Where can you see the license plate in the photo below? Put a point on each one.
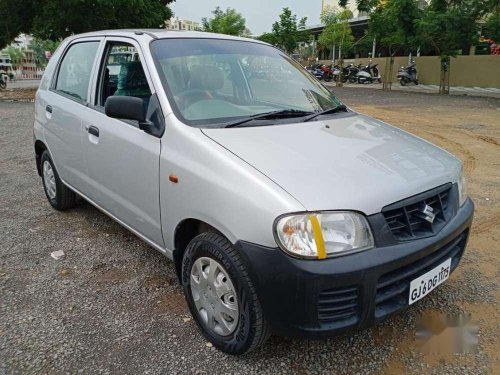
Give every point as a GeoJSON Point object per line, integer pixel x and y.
{"type": "Point", "coordinates": [423, 285]}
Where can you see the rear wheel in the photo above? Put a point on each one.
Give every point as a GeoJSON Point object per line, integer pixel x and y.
{"type": "Point", "coordinates": [221, 296]}
{"type": "Point", "coordinates": [59, 196]}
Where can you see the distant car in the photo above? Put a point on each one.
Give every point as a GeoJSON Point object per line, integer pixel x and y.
{"type": "Point", "coordinates": [283, 210]}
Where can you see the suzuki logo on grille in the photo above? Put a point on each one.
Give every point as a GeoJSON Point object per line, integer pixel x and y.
{"type": "Point", "coordinates": [429, 214]}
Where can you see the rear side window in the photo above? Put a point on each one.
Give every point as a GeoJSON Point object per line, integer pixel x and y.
{"type": "Point", "coordinates": [73, 78]}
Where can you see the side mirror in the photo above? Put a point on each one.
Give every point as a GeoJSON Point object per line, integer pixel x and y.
{"type": "Point", "coordinates": [125, 108]}
{"type": "Point", "coordinates": [128, 108]}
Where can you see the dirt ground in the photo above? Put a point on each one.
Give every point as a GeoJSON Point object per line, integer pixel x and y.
{"type": "Point", "coordinates": [113, 305]}
{"type": "Point", "coordinates": [470, 129]}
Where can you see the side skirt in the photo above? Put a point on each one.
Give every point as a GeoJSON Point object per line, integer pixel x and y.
{"type": "Point", "coordinates": [167, 252]}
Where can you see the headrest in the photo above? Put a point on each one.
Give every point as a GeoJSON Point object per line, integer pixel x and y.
{"type": "Point", "coordinates": [206, 77]}
{"type": "Point", "coordinates": [131, 76]}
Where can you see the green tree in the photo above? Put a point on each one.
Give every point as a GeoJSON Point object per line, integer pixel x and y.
{"type": "Point", "coordinates": [16, 54]}
{"type": "Point", "coordinates": [445, 29]}
{"type": "Point", "coordinates": [228, 22]}
{"type": "Point", "coordinates": [17, 17]}
{"type": "Point", "coordinates": [361, 5]}
{"type": "Point", "coordinates": [337, 30]}
{"type": "Point", "coordinates": [56, 19]}
{"type": "Point", "coordinates": [491, 27]}
{"type": "Point", "coordinates": [289, 31]}
{"type": "Point", "coordinates": [393, 25]}
{"type": "Point", "coordinates": [40, 46]}
{"type": "Point", "coordinates": [268, 38]}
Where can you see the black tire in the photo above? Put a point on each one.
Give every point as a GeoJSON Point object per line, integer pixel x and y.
{"type": "Point", "coordinates": [252, 329]}
{"type": "Point", "coordinates": [352, 79]}
{"type": "Point", "coordinates": [3, 85]}
{"type": "Point", "coordinates": [64, 198]}
{"type": "Point", "coordinates": [402, 82]}
{"type": "Point", "coordinates": [327, 78]}
{"type": "Point", "coordinates": [416, 82]}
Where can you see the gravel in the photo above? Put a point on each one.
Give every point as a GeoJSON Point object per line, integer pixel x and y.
{"type": "Point", "coordinates": [112, 304]}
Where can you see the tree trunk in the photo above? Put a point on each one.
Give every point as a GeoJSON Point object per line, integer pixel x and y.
{"type": "Point", "coordinates": [339, 77]}
{"type": "Point", "coordinates": [444, 79]}
{"type": "Point", "coordinates": [387, 83]}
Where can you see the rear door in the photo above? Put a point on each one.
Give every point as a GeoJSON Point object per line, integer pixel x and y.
{"type": "Point", "coordinates": [65, 105]}
{"type": "Point", "coordinates": [122, 160]}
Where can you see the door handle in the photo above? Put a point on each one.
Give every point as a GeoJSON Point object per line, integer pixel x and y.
{"type": "Point", "coordinates": [48, 108]}
{"type": "Point", "coordinates": [94, 131]}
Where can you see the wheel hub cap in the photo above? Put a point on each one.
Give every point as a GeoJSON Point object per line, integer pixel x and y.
{"type": "Point", "coordinates": [214, 296]}
{"type": "Point", "coordinates": [49, 180]}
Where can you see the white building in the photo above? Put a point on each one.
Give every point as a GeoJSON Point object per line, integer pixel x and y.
{"type": "Point", "coordinates": [180, 24]}
{"type": "Point", "coordinates": [351, 5]}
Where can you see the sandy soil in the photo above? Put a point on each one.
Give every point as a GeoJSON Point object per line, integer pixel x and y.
{"type": "Point", "coordinates": [470, 129]}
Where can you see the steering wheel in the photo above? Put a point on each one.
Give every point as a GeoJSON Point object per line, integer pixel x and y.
{"type": "Point", "coordinates": [191, 96]}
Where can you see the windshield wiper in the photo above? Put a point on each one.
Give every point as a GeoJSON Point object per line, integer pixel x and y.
{"type": "Point", "coordinates": [339, 108]}
{"type": "Point", "coordinates": [282, 113]}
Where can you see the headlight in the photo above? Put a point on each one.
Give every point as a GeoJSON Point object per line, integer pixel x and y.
{"type": "Point", "coordinates": [462, 188]}
{"type": "Point", "coordinates": [323, 234]}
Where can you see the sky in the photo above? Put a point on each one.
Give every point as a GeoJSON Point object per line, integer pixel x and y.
{"type": "Point", "coordinates": [259, 14]}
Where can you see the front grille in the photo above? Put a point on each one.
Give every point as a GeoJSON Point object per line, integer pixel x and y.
{"type": "Point", "coordinates": [339, 306]}
{"type": "Point", "coordinates": [393, 287]}
{"type": "Point", "coordinates": [407, 221]}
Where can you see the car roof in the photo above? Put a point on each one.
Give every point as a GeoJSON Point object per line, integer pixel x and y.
{"type": "Point", "coordinates": [162, 34]}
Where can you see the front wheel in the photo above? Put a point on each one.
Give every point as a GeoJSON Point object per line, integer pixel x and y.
{"type": "Point", "coordinates": [3, 85]}
{"type": "Point", "coordinates": [403, 82]}
{"type": "Point", "coordinates": [221, 296]}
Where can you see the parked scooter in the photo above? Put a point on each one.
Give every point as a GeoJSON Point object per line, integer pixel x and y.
{"type": "Point", "coordinates": [327, 72]}
{"type": "Point", "coordinates": [369, 74]}
{"type": "Point", "coordinates": [3, 81]}
{"type": "Point", "coordinates": [408, 75]}
{"type": "Point", "coordinates": [315, 70]}
{"type": "Point", "coordinates": [349, 73]}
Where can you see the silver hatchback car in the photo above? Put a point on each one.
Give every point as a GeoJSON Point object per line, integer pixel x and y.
{"type": "Point", "coordinates": [283, 210]}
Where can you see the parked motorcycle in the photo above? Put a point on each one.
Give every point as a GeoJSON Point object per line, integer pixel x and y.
{"type": "Point", "coordinates": [3, 81]}
{"type": "Point", "coordinates": [369, 74]}
{"type": "Point", "coordinates": [408, 75]}
{"type": "Point", "coordinates": [349, 73]}
{"type": "Point", "coordinates": [315, 71]}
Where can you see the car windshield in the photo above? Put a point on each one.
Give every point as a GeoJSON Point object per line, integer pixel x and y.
{"type": "Point", "coordinates": [211, 82]}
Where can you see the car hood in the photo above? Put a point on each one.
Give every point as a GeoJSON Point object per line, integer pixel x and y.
{"type": "Point", "coordinates": [350, 162]}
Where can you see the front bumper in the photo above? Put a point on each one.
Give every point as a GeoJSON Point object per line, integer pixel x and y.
{"type": "Point", "coordinates": [310, 298]}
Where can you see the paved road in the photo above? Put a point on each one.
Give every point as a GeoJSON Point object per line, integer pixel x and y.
{"type": "Point", "coordinates": [23, 84]}
{"type": "Point", "coordinates": [112, 305]}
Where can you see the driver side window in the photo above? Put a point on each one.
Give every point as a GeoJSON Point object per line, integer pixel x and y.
{"type": "Point", "coordinates": [122, 74]}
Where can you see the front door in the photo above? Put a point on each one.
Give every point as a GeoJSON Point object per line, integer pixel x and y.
{"type": "Point", "coordinates": [122, 160]}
